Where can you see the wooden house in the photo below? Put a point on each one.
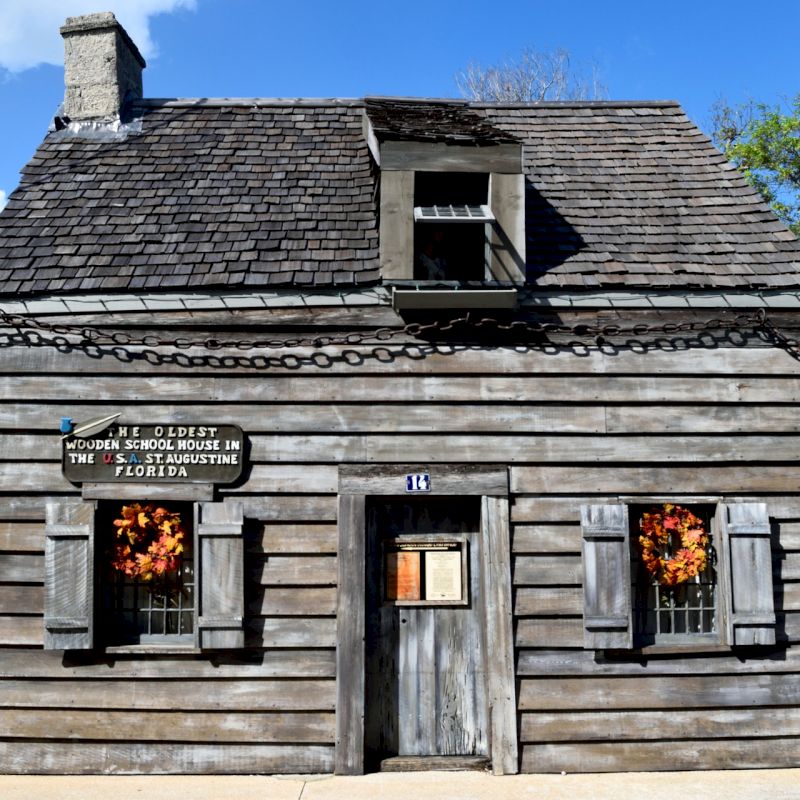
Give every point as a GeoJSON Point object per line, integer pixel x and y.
{"type": "Point", "coordinates": [342, 435]}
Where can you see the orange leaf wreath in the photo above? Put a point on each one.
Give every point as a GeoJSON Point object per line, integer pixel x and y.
{"type": "Point", "coordinates": [148, 541]}
{"type": "Point", "coordinates": [660, 531]}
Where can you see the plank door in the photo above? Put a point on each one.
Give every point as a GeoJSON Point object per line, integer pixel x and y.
{"type": "Point", "coordinates": [425, 682]}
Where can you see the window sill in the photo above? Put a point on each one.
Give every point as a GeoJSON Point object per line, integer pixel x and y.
{"type": "Point", "coordinates": [407, 299]}
{"type": "Point", "coordinates": [153, 649]}
{"type": "Point", "coordinates": [670, 649]}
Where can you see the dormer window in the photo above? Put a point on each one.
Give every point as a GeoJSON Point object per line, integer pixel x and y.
{"type": "Point", "coordinates": [452, 194]}
{"type": "Point", "coordinates": [452, 226]}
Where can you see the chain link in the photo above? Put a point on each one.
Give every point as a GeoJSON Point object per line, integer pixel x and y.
{"type": "Point", "coordinates": [98, 335]}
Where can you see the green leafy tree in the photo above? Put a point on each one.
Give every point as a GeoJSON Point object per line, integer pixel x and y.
{"type": "Point", "coordinates": [764, 143]}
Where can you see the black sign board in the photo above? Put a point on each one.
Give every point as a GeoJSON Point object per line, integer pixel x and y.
{"type": "Point", "coordinates": [156, 453]}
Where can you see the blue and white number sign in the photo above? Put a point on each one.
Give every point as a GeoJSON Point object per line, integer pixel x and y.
{"type": "Point", "coordinates": [419, 482]}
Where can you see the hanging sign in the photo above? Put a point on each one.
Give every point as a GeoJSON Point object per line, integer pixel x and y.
{"type": "Point", "coordinates": [155, 453]}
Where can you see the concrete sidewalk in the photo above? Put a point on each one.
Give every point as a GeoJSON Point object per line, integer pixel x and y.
{"type": "Point", "coordinates": [781, 784]}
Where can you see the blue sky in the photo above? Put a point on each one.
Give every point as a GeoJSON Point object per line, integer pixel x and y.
{"type": "Point", "coordinates": [695, 52]}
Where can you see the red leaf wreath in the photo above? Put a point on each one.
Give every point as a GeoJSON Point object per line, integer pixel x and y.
{"type": "Point", "coordinates": [660, 532]}
{"type": "Point", "coordinates": [148, 541]}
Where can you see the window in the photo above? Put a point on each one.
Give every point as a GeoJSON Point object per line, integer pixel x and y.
{"type": "Point", "coordinates": [452, 226]}
{"type": "Point", "coordinates": [144, 597]}
{"type": "Point", "coordinates": [677, 605]}
{"type": "Point", "coordinates": [200, 603]}
{"type": "Point", "coordinates": [626, 604]}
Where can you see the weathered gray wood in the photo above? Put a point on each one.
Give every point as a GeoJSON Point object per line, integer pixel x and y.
{"type": "Point", "coordinates": [417, 359]}
{"type": "Point", "coordinates": [607, 608]}
{"type": "Point", "coordinates": [498, 624]}
{"type": "Point", "coordinates": [516, 448]}
{"type": "Point", "coordinates": [292, 632]}
{"type": "Point", "coordinates": [22, 536]}
{"type": "Point", "coordinates": [297, 570]}
{"type": "Point", "coordinates": [549, 633]}
{"type": "Point", "coordinates": [620, 726]}
{"type": "Point", "coordinates": [584, 663]}
{"type": "Point", "coordinates": [123, 758]}
{"type": "Point", "coordinates": [545, 538]}
{"type": "Point", "coordinates": [548, 601]}
{"type": "Point", "coordinates": [240, 665]}
{"type": "Point", "coordinates": [69, 576]}
{"type": "Point", "coordinates": [219, 533]}
{"type": "Point", "coordinates": [441, 157]}
{"type": "Point", "coordinates": [397, 224]}
{"type": "Point", "coordinates": [283, 508]}
{"type": "Point", "coordinates": [268, 478]}
{"type": "Point", "coordinates": [435, 763]}
{"type": "Point", "coordinates": [48, 477]}
{"type": "Point", "coordinates": [310, 538]}
{"type": "Point", "coordinates": [211, 695]}
{"type": "Point", "coordinates": [402, 388]}
{"type": "Point", "coordinates": [661, 756]}
{"type": "Point", "coordinates": [192, 492]}
{"type": "Point", "coordinates": [469, 448]}
{"type": "Point", "coordinates": [427, 682]}
{"type": "Point", "coordinates": [155, 726]}
{"type": "Point", "coordinates": [566, 509]}
{"type": "Point", "coordinates": [349, 754]}
{"type": "Point", "coordinates": [547, 570]}
{"type": "Point", "coordinates": [295, 601]}
{"type": "Point", "coordinates": [663, 692]}
{"type": "Point", "coordinates": [23, 568]}
{"type": "Point", "coordinates": [325, 417]}
{"type": "Point", "coordinates": [745, 531]}
{"type": "Point", "coordinates": [21, 599]}
{"type": "Point", "coordinates": [653, 478]}
{"type": "Point", "coordinates": [22, 631]}
{"type": "Point", "coordinates": [446, 479]}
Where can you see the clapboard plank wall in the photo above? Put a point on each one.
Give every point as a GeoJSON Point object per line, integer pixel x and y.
{"type": "Point", "coordinates": [711, 420]}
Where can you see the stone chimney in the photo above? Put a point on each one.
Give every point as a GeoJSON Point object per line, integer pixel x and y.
{"type": "Point", "coordinates": [102, 67]}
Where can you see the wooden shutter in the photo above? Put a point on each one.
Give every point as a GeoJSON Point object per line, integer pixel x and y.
{"type": "Point", "coordinates": [69, 575]}
{"type": "Point", "coordinates": [219, 533]}
{"type": "Point", "coordinates": [607, 608]}
{"type": "Point", "coordinates": [746, 575]}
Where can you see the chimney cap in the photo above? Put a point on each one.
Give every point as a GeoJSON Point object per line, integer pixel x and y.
{"type": "Point", "coordinates": [101, 21]}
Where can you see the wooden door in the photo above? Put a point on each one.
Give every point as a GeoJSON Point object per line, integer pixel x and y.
{"type": "Point", "coordinates": [425, 677]}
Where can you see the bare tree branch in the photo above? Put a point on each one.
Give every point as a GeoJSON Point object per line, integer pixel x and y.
{"type": "Point", "coordinates": [535, 75]}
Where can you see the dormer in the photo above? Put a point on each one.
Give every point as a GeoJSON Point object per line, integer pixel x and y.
{"type": "Point", "coordinates": [452, 194]}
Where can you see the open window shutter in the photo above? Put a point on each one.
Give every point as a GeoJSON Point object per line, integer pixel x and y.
{"type": "Point", "coordinates": [219, 534]}
{"type": "Point", "coordinates": [69, 575]}
{"type": "Point", "coordinates": [606, 577]}
{"type": "Point", "coordinates": [747, 574]}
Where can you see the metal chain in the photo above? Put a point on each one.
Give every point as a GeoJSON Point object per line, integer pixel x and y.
{"type": "Point", "coordinates": [89, 335]}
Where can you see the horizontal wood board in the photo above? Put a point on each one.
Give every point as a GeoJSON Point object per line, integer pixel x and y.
{"type": "Point", "coordinates": [574, 426]}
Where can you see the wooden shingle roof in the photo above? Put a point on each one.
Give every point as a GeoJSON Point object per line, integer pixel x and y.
{"type": "Point", "coordinates": [280, 193]}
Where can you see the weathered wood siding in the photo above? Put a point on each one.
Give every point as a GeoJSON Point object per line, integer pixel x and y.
{"type": "Point", "coordinates": [573, 425]}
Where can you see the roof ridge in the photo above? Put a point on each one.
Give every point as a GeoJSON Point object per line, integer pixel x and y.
{"type": "Point", "coordinates": [358, 102]}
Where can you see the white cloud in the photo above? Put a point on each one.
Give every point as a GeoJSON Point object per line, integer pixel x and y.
{"type": "Point", "coordinates": [3, 199]}
{"type": "Point", "coordinates": [29, 30]}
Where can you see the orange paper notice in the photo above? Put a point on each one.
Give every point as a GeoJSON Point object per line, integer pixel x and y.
{"type": "Point", "coordinates": [403, 576]}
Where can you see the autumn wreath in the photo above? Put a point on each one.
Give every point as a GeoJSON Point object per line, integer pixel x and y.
{"type": "Point", "coordinates": [661, 530]}
{"type": "Point", "coordinates": [148, 541]}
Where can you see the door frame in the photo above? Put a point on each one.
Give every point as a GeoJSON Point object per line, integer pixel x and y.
{"type": "Point", "coordinates": [356, 483]}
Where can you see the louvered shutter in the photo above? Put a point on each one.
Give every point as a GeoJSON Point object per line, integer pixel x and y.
{"type": "Point", "coordinates": [607, 608]}
{"type": "Point", "coordinates": [746, 577]}
{"type": "Point", "coordinates": [69, 575]}
{"type": "Point", "coordinates": [219, 533]}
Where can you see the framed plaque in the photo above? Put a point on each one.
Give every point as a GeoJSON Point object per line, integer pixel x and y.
{"type": "Point", "coordinates": [425, 570]}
